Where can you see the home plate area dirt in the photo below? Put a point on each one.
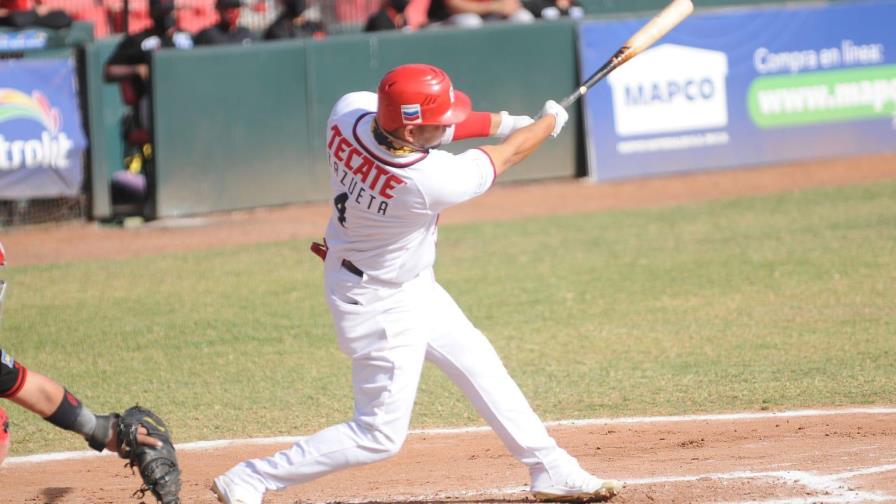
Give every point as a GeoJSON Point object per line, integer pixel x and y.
{"type": "Point", "coordinates": [831, 456]}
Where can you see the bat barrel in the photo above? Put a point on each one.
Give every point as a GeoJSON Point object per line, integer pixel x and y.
{"type": "Point", "coordinates": [655, 29]}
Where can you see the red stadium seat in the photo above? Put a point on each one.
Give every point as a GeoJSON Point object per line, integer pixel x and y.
{"type": "Point", "coordinates": [195, 15]}
{"type": "Point", "coordinates": [355, 11]}
{"type": "Point", "coordinates": [138, 20]}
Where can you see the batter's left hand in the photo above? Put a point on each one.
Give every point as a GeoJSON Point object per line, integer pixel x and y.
{"type": "Point", "coordinates": [559, 113]}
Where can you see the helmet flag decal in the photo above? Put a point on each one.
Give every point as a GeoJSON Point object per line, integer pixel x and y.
{"type": "Point", "coordinates": [410, 114]}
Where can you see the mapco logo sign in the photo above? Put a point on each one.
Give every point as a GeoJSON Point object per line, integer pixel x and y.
{"type": "Point", "coordinates": [45, 146]}
{"type": "Point", "coordinates": [670, 88]}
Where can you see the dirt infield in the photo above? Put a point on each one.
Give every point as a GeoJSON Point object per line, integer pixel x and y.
{"type": "Point", "coordinates": [846, 457]}
{"type": "Point", "coordinates": [835, 457]}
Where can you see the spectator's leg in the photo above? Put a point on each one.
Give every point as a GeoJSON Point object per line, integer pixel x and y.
{"type": "Point", "coordinates": [464, 20]}
{"type": "Point", "coordinates": [521, 16]}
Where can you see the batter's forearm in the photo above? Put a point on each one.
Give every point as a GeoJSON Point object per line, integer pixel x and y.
{"type": "Point", "coordinates": [495, 124]}
{"type": "Point", "coordinates": [520, 144]}
{"type": "Point", "coordinates": [489, 124]}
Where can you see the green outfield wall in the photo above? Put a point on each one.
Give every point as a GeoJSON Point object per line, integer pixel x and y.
{"type": "Point", "coordinates": [241, 127]}
{"type": "Point", "coordinates": [231, 128]}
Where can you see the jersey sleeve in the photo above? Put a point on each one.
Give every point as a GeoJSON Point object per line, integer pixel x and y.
{"type": "Point", "coordinates": [361, 100]}
{"type": "Point", "coordinates": [476, 125]}
{"type": "Point", "coordinates": [458, 179]}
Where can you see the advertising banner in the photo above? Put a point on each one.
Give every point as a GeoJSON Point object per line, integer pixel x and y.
{"type": "Point", "coordinates": [743, 87]}
{"type": "Point", "coordinates": [42, 141]}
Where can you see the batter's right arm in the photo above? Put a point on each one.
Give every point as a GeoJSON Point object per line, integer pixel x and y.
{"type": "Point", "coordinates": [523, 142]}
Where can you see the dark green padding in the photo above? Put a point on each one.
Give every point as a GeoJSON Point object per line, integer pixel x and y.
{"type": "Point", "coordinates": [231, 128]}
{"type": "Point", "coordinates": [240, 127]}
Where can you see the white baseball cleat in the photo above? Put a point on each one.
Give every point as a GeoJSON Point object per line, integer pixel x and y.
{"type": "Point", "coordinates": [579, 487]}
{"type": "Point", "coordinates": [228, 492]}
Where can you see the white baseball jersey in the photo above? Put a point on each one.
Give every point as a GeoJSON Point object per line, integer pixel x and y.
{"type": "Point", "coordinates": [386, 206]}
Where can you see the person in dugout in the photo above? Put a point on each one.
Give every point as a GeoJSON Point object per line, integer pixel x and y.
{"type": "Point", "coordinates": [390, 16]}
{"type": "Point", "coordinates": [227, 30]}
{"type": "Point", "coordinates": [129, 66]}
{"type": "Point", "coordinates": [292, 23]}
{"type": "Point", "coordinates": [130, 62]}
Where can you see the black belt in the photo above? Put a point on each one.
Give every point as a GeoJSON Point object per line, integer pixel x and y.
{"type": "Point", "coordinates": [351, 268]}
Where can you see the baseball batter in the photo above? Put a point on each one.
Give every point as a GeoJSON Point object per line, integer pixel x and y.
{"type": "Point", "coordinates": [389, 182]}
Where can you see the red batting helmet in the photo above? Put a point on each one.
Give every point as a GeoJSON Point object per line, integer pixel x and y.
{"type": "Point", "coordinates": [419, 94]}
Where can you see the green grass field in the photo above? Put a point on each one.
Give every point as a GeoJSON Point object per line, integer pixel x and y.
{"type": "Point", "coordinates": [770, 302]}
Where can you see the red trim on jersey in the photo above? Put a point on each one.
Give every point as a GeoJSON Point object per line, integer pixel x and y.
{"type": "Point", "coordinates": [476, 125]}
{"type": "Point", "coordinates": [20, 381]}
{"type": "Point", "coordinates": [372, 154]}
{"type": "Point", "coordinates": [492, 161]}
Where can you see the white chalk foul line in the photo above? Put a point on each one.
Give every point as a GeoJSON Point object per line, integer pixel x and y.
{"type": "Point", "coordinates": [206, 445]}
{"type": "Point", "coordinates": [829, 488]}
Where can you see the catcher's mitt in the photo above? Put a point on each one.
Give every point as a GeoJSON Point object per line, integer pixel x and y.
{"type": "Point", "coordinates": [158, 466]}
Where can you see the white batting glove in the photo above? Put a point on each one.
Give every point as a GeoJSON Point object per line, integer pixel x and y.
{"type": "Point", "coordinates": [559, 113]}
{"type": "Point", "coordinates": [511, 123]}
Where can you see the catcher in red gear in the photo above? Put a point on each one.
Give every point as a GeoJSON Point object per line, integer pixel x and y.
{"type": "Point", "coordinates": [138, 435]}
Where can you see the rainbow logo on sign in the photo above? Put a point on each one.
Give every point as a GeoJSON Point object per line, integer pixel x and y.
{"type": "Point", "coordinates": [15, 104]}
{"type": "Point", "coordinates": [410, 114]}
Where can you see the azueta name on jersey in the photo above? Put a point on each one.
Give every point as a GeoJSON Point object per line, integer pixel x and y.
{"type": "Point", "coordinates": [367, 183]}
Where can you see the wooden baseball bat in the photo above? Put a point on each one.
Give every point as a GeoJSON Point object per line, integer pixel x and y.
{"type": "Point", "coordinates": [655, 29]}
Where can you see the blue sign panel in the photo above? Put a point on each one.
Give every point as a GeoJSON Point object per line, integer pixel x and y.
{"type": "Point", "coordinates": [42, 140]}
{"type": "Point", "coordinates": [743, 87]}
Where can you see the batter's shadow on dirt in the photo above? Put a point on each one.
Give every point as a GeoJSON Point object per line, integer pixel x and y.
{"type": "Point", "coordinates": [52, 495]}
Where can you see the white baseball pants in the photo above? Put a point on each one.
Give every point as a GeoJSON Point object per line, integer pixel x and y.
{"type": "Point", "coordinates": [388, 332]}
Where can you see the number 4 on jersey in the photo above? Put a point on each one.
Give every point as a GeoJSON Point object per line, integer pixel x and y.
{"type": "Point", "coordinates": [339, 202]}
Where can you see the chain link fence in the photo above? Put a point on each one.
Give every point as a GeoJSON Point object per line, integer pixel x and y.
{"type": "Point", "coordinates": [41, 211]}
